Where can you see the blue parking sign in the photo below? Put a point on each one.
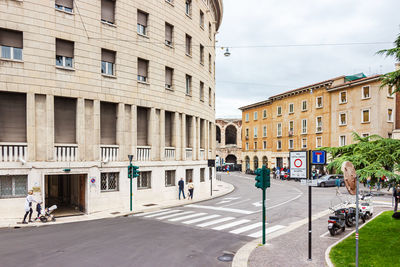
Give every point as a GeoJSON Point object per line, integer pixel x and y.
{"type": "Point", "coordinates": [318, 157]}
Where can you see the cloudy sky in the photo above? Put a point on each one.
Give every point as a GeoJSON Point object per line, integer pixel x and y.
{"type": "Point", "coordinates": [253, 74]}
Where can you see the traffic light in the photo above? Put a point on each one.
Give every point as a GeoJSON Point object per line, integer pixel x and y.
{"type": "Point", "coordinates": [133, 171]}
{"type": "Point", "coordinates": [267, 177]}
{"type": "Point", "coordinates": [259, 178]}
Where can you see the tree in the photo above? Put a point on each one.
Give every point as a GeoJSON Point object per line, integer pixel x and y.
{"type": "Point", "coordinates": [392, 79]}
{"type": "Point", "coordinates": [372, 156]}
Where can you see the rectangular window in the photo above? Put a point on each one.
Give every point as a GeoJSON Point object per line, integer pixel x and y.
{"type": "Point", "coordinates": [264, 113]}
{"type": "Point", "coordinates": [108, 123]}
{"type": "Point", "coordinates": [109, 181]}
{"type": "Point", "coordinates": [11, 44]}
{"type": "Point", "coordinates": [142, 18]}
{"type": "Point", "coordinates": [13, 186]}
{"type": "Point", "coordinates": [201, 91]}
{"type": "Point", "coordinates": [291, 143]}
{"type": "Point", "coordinates": [365, 92]}
{"type": "Point", "coordinates": [319, 103]}
{"type": "Point", "coordinates": [342, 119]}
{"type": "Point", "coordinates": [291, 128]}
{"type": "Point", "coordinates": [343, 97]}
{"type": "Point", "coordinates": [188, 45]}
{"type": "Point", "coordinates": [64, 5]}
{"type": "Point", "coordinates": [209, 30]}
{"type": "Point", "coordinates": [304, 126]}
{"type": "Point", "coordinates": [188, 85]}
{"type": "Point", "coordinates": [390, 115]}
{"type": "Point", "coordinates": [64, 53]}
{"type": "Point", "coordinates": [144, 180]}
{"type": "Point", "coordinates": [255, 145]}
{"type": "Point", "coordinates": [202, 175]}
{"type": "Point", "coordinates": [255, 115]}
{"type": "Point", "coordinates": [247, 132]}
{"type": "Point", "coordinates": [365, 116]}
{"type": "Point", "coordinates": [342, 140]}
{"type": "Point", "coordinates": [255, 132]}
{"type": "Point", "coordinates": [189, 176]}
{"type": "Point", "coordinates": [304, 105]}
{"type": "Point", "coordinates": [209, 97]}
{"type": "Point", "coordinates": [169, 31]}
{"type": "Point", "coordinates": [209, 63]}
{"type": "Point", "coordinates": [265, 131]}
{"type": "Point", "coordinates": [108, 11]}
{"type": "Point", "coordinates": [169, 74]}
{"type": "Point", "coordinates": [318, 142]}
{"type": "Point", "coordinates": [107, 62]}
{"type": "Point", "coordinates": [279, 129]}
{"type": "Point", "coordinates": [279, 145]}
{"type": "Point", "coordinates": [247, 146]}
{"type": "Point", "coordinates": [247, 117]}
{"type": "Point", "coordinates": [279, 111]}
{"type": "Point", "coordinates": [319, 125]}
{"type": "Point", "coordinates": [188, 7]}
{"type": "Point", "coordinates": [201, 19]}
{"type": "Point", "coordinates": [264, 144]}
{"type": "Point", "coordinates": [201, 54]}
{"type": "Point", "coordinates": [143, 69]}
{"type": "Point", "coordinates": [170, 178]}
{"type": "Point", "coordinates": [291, 108]}
{"type": "Point", "coordinates": [303, 142]}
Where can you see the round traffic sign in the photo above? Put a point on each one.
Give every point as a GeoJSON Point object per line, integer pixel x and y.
{"type": "Point", "coordinates": [92, 180]}
{"type": "Point", "coordinates": [297, 163]}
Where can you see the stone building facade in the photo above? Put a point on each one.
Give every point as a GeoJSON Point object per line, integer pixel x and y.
{"type": "Point", "coordinates": [318, 115]}
{"type": "Point", "coordinates": [84, 84]}
{"type": "Point", "coordinates": [229, 140]}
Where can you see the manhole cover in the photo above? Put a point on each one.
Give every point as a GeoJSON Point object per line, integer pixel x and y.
{"type": "Point", "coordinates": [149, 205]}
{"type": "Point", "coordinates": [227, 257]}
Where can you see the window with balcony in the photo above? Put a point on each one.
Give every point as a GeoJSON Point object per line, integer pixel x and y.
{"type": "Point", "coordinates": [342, 140]}
{"type": "Point", "coordinates": [366, 92]}
{"type": "Point", "coordinates": [304, 126]}
{"type": "Point", "coordinates": [201, 54]}
{"type": "Point", "coordinates": [304, 105]}
{"type": "Point", "coordinates": [318, 125]}
{"type": "Point", "coordinates": [188, 85]}
{"type": "Point", "coordinates": [319, 103]}
{"type": "Point", "coordinates": [189, 131]}
{"type": "Point", "coordinates": [291, 108]}
{"type": "Point", "coordinates": [108, 123]}
{"type": "Point", "coordinates": [170, 178]}
{"type": "Point", "coordinates": [143, 118]}
{"type": "Point", "coordinates": [142, 19]}
{"type": "Point", "coordinates": [291, 144]}
{"type": "Point", "coordinates": [109, 181]}
{"type": "Point", "coordinates": [169, 128]}
{"type": "Point", "coordinates": [343, 97]}
{"type": "Point", "coordinates": [201, 91]}
{"type": "Point", "coordinates": [144, 180]}
{"type": "Point", "coordinates": [108, 11]}
{"type": "Point", "coordinates": [12, 117]}
{"type": "Point", "coordinates": [188, 45]}
{"type": "Point", "coordinates": [365, 116]}
{"type": "Point", "coordinates": [64, 5]}
{"type": "Point", "coordinates": [390, 115]}
{"type": "Point", "coordinates": [107, 62]}
{"type": "Point", "coordinates": [169, 74]}
{"type": "Point", "coordinates": [64, 53]}
{"type": "Point", "coordinates": [279, 130]}
{"type": "Point", "coordinates": [169, 31]}
{"type": "Point", "coordinates": [279, 111]}
{"type": "Point", "coordinates": [143, 70]}
{"type": "Point", "coordinates": [342, 119]}
{"type": "Point", "coordinates": [11, 44]}
{"type": "Point", "coordinates": [64, 120]}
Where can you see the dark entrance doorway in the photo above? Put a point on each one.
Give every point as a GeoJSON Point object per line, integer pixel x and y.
{"type": "Point", "coordinates": [231, 159]}
{"type": "Point", "coordinates": [68, 192]}
{"type": "Point", "coordinates": [279, 162]}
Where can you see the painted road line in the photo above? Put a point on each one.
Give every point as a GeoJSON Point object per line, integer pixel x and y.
{"type": "Point", "coordinates": [223, 201]}
{"type": "Point", "coordinates": [267, 231]}
{"type": "Point", "coordinates": [161, 213]}
{"type": "Point", "coordinates": [174, 215]}
{"type": "Point", "coordinates": [234, 203]}
{"type": "Point", "coordinates": [246, 228]}
{"type": "Point", "coordinates": [215, 221]}
{"type": "Point", "coordinates": [220, 209]}
{"type": "Point", "coordinates": [231, 198]}
{"type": "Point", "coordinates": [187, 217]}
{"type": "Point", "coordinates": [230, 225]}
{"type": "Point", "coordinates": [148, 213]}
{"type": "Point", "coordinates": [202, 219]}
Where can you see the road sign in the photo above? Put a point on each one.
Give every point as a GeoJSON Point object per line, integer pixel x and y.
{"type": "Point", "coordinates": [318, 157]}
{"type": "Point", "coordinates": [298, 164]}
{"type": "Point", "coordinates": [309, 182]}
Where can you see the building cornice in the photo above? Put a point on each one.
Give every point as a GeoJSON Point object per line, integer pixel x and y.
{"type": "Point", "coordinates": [354, 83]}
{"type": "Point", "coordinates": [219, 9]}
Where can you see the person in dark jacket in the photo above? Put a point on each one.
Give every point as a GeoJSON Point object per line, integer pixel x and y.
{"type": "Point", "coordinates": [396, 195]}
{"type": "Point", "coordinates": [181, 185]}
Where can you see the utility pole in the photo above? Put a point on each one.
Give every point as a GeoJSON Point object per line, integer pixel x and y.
{"type": "Point", "coordinates": [309, 206]}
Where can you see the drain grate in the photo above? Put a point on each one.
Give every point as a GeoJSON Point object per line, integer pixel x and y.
{"type": "Point", "coordinates": [226, 257]}
{"type": "Point", "coordinates": [149, 205]}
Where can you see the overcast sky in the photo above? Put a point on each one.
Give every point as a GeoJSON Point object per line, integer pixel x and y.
{"type": "Point", "coordinates": [254, 74]}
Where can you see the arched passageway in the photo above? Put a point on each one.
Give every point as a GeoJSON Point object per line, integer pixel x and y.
{"type": "Point", "coordinates": [231, 159]}
{"type": "Point", "coordinates": [230, 135]}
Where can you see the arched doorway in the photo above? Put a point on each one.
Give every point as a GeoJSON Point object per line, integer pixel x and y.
{"type": "Point", "coordinates": [218, 134]}
{"type": "Point", "coordinates": [265, 161]}
{"type": "Point", "coordinates": [231, 159]}
{"type": "Point", "coordinates": [255, 159]}
{"type": "Point", "coordinates": [230, 135]}
{"type": "Point", "coordinates": [247, 160]}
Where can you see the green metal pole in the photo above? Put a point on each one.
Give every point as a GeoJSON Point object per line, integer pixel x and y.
{"type": "Point", "coordinates": [263, 202]}
{"type": "Point", "coordinates": [130, 196]}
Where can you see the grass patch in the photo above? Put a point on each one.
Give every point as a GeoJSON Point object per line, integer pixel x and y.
{"type": "Point", "coordinates": [379, 244]}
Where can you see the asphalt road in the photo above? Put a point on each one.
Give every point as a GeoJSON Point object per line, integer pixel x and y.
{"type": "Point", "coordinates": [191, 235]}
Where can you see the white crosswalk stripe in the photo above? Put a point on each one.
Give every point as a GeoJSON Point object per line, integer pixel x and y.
{"type": "Point", "coordinates": [202, 219]}
{"type": "Point", "coordinates": [147, 213]}
{"type": "Point", "coordinates": [174, 215]}
{"type": "Point", "coordinates": [246, 228]}
{"type": "Point", "coordinates": [215, 221]}
{"type": "Point", "coordinates": [161, 213]}
{"type": "Point", "coordinates": [187, 217]}
{"type": "Point", "coordinates": [268, 231]}
{"type": "Point", "coordinates": [230, 225]}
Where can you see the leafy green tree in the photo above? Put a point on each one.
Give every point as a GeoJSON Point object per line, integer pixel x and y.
{"type": "Point", "coordinates": [372, 156]}
{"type": "Point", "coordinates": [392, 79]}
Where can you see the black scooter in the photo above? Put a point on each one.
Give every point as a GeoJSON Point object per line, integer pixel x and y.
{"type": "Point", "coordinates": [351, 216]}
{"type": "Point", "coordinates": [337, 222]}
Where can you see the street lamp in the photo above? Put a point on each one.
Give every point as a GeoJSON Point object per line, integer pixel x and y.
{"type": "Point", "coordinates": [227, 53]}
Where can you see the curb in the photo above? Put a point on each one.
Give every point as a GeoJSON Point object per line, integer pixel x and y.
{"type": "Point", "coordinates": [328, 250]}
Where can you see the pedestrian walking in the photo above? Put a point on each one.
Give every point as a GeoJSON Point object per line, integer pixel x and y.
{"type": "Point", "coordinates": [181, 185]}
{"type": "Point", "coordinates": [396, 195]}
{"type": "Point", "coordinates": [273, 172]}
{"type": "Point", "coordinates": [28, 207]}
{"type": "Point", "coordinates": [337, 183]}
{"type": "Point", "coordinates": [278, 173]}
{"type": "Point", "coordinates": [191, 188]}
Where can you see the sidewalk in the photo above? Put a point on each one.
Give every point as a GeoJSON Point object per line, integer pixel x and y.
{"type": "Point", "coordinates": [219, 189]}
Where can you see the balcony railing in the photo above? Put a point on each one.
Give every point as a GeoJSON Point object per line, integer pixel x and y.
{"type": "Point", "coordinates": [66, 152]}
{"type": "Point", "coordinates": [189, 153]}
{"type": "Point", "coordinates": [169, 153]}
{"type": "Point", "coordinates": [109, 153]}
{"type": "Point", "coordinates": [143, 153]}
{"type": "Point", "coordinates": [201, 154]}
{"type": "Point", "coordinates": [10, 152]}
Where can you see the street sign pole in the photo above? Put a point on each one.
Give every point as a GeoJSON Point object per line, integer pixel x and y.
{"type": "Point", "coordinates": [263, 203]}
{"type": "Point", "coordinates": [357, 221]}
{"type": "Point", "coordinates": [309, 207]}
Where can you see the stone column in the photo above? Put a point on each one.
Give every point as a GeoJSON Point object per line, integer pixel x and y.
{"type": "Point", "coordinates": [183, 139]}
{"type": "Point", "coordinates": [162, 134]}
{"type": "Point", "coordinates": [80, 129]}
{"type": "Point", "coordinates": [96, 130]}
{"type": "Point", "coordinates": [133, 131]}
{"type": "Point", "coordinates": [176, 137]}
{"type": "Point", "coordinates": [120, 132]}
{"type": "Point", "coordinates": [30, 126]}
{"type": "Point", "coordinates": [50, 127]}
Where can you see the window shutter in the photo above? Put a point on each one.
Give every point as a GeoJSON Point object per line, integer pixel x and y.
{"type": "Point", "coordinates": [108, 123]}
{"type": "Point", "coordinates": [64, 48]}
{"type": "Point", "coordinates": [168, 32]}
{"type": "Point", "coordinates": [65, 3]}
{"type": "Point", "coordinates": [168, 76]}
{"type": "Point", "coordinates": [108, 56]}
{"type": "Point", "coordinates": [142, 18]}
{"type": "Point", "coordinates": [142, 67]}
{"type": "Point", "coordinates": [168, 128]}
{"type": "Point", "coordinates": [107, 10]}
{"type": "Point", "coordinates": [11, 38]}
{"type": "Point", "coordinates": [12, 117]}
{"type": "Point", "coordinates": [64, 120]}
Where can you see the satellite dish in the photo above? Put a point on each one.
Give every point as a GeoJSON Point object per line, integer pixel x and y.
{"type": "Point", "coordinates": [349, 173]}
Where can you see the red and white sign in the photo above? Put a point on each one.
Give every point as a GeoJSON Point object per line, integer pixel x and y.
{"type": "Point", "coordinates": [298, 164]}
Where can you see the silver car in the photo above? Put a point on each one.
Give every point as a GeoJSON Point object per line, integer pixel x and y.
{"type": "Point", "coordinates": [330, 180]}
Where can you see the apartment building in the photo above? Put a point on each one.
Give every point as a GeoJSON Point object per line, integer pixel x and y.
{"type": "Point", "coordinates": [84, 84]}
{"type": "Point", "coordinates": [314, 116]}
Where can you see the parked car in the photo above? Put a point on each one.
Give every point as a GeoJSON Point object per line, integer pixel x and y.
{"type": "Point", "coordinates": [330, 180]}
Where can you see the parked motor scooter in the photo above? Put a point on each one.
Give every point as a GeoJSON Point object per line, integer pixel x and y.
{"type": "Point", "coordinates": [337, 222]}
{"type": "Point", "coordinates": [351, 215]}
{"type": "Point", "coordinates": [367, 206]}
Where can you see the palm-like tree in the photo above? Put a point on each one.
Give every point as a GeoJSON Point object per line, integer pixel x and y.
{"type": "Point", "coordinates": [392, 79]}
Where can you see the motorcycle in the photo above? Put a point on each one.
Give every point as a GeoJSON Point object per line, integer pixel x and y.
{"type": "Point", "coordinates": [351, 215]}
{"type": "Point", "coordinates": [337, 222]}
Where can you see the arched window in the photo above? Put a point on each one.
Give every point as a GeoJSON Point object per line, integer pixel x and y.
{"type": "Point", "coordinates": [218, 134]}
{"type": "Point", "coordinates": [230, 135]}
{"type": "Point", "coordinates": [265, 161]}
{"type": "Point", "coordinates": [255, 162]}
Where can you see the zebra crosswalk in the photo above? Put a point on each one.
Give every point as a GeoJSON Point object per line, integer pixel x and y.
{"type": "Point", "coordinates": [216, 222]}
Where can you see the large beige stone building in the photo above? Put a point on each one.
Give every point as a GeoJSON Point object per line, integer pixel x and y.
{"type": "Point", "coordinates": [229, 141]}
{"type": "Point", "coordinates": [318, 115]}
{"type": "Point", "coordinates": [83, 84]}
